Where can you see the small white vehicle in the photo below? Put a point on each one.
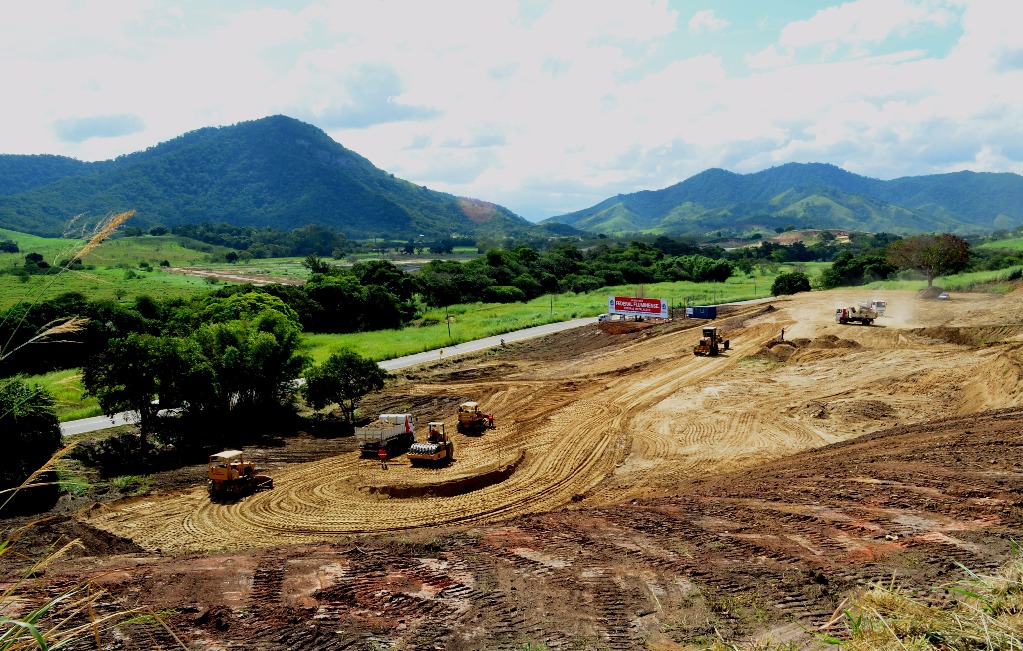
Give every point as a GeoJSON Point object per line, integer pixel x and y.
{"type": "Point", "coordinates": [943, 296]}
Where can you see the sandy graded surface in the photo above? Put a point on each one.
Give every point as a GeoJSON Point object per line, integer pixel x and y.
{"type": "Point", "coordinates": [600, 418]}
{"type": "Point", "coordinates": [632, 496]}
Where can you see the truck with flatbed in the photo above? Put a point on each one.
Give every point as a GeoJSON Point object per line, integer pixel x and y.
{"type": "Point", "coordinates": [392, 432]}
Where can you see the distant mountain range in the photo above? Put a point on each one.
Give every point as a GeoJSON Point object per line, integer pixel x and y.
{"type": "Point", "coordinates": [277, 172]}
{"type": "Point", "coordinates": [283, 173]}
{"type": "Point", "coordinates": [811, 195]}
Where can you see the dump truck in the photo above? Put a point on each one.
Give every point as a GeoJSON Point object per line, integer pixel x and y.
{"type": "Point", "coordinates": [855, 314]}
{"type": "Point", "coordinates": [878, 306]}
{"type": "Point", "coordinates": [230, 475]}
{"type": "Point", "coordinates": [471, 420]}
{"type": "Point", "coordinates": [392, 432]}
{"type": "Point", "coordinates": [711, 344]}
{"type": "Point", "coordinates": [437, 448]}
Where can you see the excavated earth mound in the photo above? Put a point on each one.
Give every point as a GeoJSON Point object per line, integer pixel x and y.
{"type": "Point", "coordinates": [495, 472]}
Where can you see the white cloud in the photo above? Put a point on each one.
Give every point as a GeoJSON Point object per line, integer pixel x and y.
{"type": "Point", "coordinates": [706, 21]}
{"type": "Point", "coordinates": [770, 57]}
{"type": "Point", "coordinates": [542, 106]}
{"type": "Point", "coordinates": [863, 21]}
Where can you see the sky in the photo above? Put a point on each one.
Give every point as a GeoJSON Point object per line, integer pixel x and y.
{"type": "Point", "coordinates": [542, 106]}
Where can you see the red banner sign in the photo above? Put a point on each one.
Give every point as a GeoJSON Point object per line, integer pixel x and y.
{"type": "Point", "coordinates": [654, 307]}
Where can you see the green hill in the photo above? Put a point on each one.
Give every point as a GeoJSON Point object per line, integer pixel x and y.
{"type": "Point", "coordinates": [277, 172]}
{"type": "Point", "coordinates": [814, 194]}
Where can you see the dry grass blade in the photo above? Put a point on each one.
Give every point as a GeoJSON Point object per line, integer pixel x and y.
{"type": "Point", "coordinates": [30, 617]}
{"type": "Point", "coordinates": [31, 479]}
{"type": "Point", "coordinates": [103, 230]}
{"type": "Point", "coordinates": [987, 613]}
{"type": "Point", "coordinates": [49, 331]}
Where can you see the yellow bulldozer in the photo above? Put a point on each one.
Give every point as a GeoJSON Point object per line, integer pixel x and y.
{"type": "Point", "coordinates": [711, 344]}
{"type": "Point", "coordinates": [230, 475]}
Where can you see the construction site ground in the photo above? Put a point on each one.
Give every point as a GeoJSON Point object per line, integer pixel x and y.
{"type": "Point", "coordinates": [632, 495]}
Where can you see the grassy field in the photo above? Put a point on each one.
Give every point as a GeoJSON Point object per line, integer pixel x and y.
{"type": "Point", "coordinates": [119, 267]}
{"type": "Point", "coordinates": [68, 393]}
{"type": "Point", "coordinates": [1000, 281]}
{"type": "Point", "coordinates": [1012, 244]}
{"type": "Point", "coordinates": [117, 273]}
{"type": "Point", "coordinates": [476, 320]}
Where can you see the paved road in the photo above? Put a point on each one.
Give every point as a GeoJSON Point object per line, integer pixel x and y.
{"type": "Point", "coordinates": [84, 425]}
{"type": "Point", "coordinates": [482, 344]}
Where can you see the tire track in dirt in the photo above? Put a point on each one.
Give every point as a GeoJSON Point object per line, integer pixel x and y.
{"type": "Point", "coordinates": [610, 425]}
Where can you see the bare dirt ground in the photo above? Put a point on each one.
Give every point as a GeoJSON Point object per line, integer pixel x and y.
{"type": "Point", "coordinates": [241, 274]}
{"type": "Point", "coordinates": [632, 496]}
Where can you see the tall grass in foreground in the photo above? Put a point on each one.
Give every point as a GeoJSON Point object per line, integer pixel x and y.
{"type": "Point", "coordinates": [34, 615]}
{"type": "Point", "coordinates": [986, 613]}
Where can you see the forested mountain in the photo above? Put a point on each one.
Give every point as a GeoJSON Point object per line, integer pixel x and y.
{"type": "Point", "coordinates": [276, 172]}
{"type": "Point", "coordinates": [21, 173]}
{"type": "Point", "coordinates": [814, 194]}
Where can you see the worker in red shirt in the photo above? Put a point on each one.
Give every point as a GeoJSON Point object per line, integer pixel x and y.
{"type": "Point", "coordinates": [382, 453]}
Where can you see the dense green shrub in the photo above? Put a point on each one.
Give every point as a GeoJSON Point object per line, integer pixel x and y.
{"type": "Point", "coordinates": [790, 283]}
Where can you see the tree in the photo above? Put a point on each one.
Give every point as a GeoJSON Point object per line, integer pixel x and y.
{"type": "Point", "coordinates": [126, 377]}
{"type": "Point", "coordinates": [343, 379]}
{"type": "Point", "coordinates": [848, 269]}
{"type": "Point", "coordinates": [253, 361]}
{"type": "Point", "coordinates": [317, 265]}
{"type": "Point", "coordinates": [934, 255]}
{"type": "Point", "coordinates": [790, 283]}
{"type": "Point", "coordinates": [29, 430]}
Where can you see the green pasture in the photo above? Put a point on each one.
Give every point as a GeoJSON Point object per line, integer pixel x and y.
{"type": "Point", "coordinates": [1011, 244]}
{"type": "Point", "coordinates": [1000, 281]}
{"type": "Point", "coordinates": [114, 252]}
{"type": "Point", "coordinates": [118, 271]}
{"type": "Point", "coordinates": [68, 393]}
{"type": "Point", "coordinates": [476, 320]}
{"type": "Point", "coordinates": [113, 284]}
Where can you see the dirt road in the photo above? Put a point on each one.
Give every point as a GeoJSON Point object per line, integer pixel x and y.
{"type": "Point", "coordinates": [635, 415]}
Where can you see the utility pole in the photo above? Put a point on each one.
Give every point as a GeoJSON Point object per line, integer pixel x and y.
{"type": "Point", "coordinates": [447, 320]}
{"type": "Point", "coordinates": [552, 303]}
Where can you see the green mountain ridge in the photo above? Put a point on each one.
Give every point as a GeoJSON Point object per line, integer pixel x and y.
{"type": "Point", "coordinates": [274, 172]}
{"type": "Point", "coordinates": [811, 194]}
